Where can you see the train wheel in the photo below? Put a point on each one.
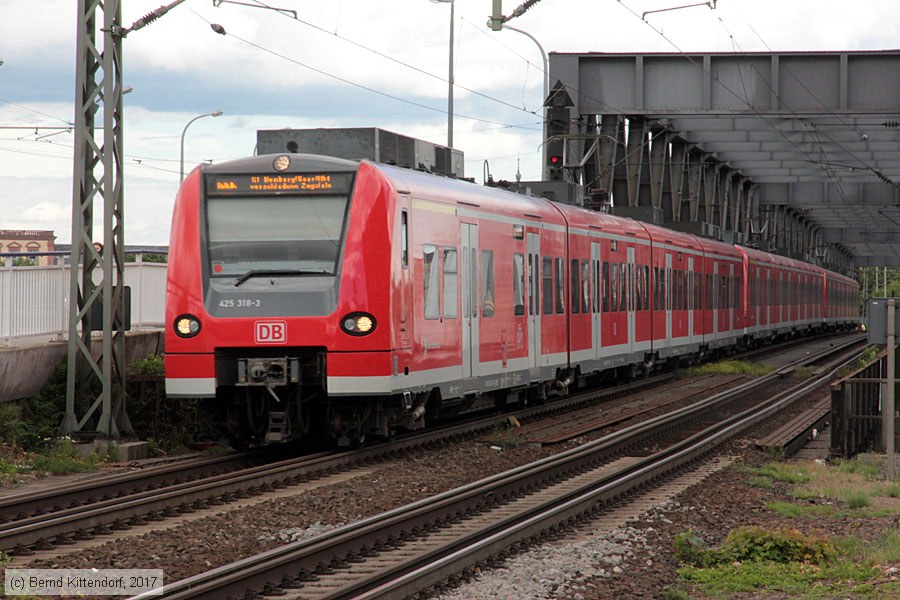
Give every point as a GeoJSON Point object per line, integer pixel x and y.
{"type": "Point", "coordinates": [358, 439]}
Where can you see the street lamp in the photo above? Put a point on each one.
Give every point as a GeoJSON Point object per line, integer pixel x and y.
{"type": "Point", "coordinates": [217, 113]}
{"type": "Point", "coordinates": [546, 74]}
{"type": "Point", "coordinates": [450, 78]}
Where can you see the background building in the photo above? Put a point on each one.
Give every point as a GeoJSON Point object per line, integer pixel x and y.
{"type": "Point", "coordinates": [28, 242]}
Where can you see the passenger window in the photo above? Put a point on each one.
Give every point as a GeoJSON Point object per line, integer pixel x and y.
{"type": "Point", "coordinates": [623, 291]}
{"type": "Point", "coordinates": [432, 309]}
{"type": "Point", "coordinates": [451, 283]}
{"type": "Point", "coordinates": [605, 287]}
{"type": "Point", "coordinates": [576, 292]}
{"type": "Point", "coordinates": [559, 274]}
{"type": "Point", "coordinates": [487, 283]}
{"type": "Point", "coordinates": [613, 287]}
{"type": "Point", "coordinates": [547, 279]}
{"type": "Point", "coordinates": [518, 284]}
{"type": "Point", "coordinates": [639, 289]}
{"type": "Point", "coordinates": [404, 239]}
{"type": "Point", "coordinates": [646, 287]}
{"type": "Point", "coordinates": [586, 286]}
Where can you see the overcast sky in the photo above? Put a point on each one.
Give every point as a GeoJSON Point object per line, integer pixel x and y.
{"type": "Point", "coordinates": [344, 63]}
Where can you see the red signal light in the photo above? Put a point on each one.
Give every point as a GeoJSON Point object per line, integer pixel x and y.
{"type": "Point", "coordinates": [555, 160]}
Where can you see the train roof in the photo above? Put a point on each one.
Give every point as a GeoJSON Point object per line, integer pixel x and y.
{"type": "Point", "coordinates": [436, 188]}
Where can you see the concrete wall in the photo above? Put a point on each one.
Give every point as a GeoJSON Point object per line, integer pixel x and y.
{"type": "Point", "coordinates": [25, 370]}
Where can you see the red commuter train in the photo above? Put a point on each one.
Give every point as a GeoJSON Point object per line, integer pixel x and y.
{"type": "Point", "coordinates": [308, 294]}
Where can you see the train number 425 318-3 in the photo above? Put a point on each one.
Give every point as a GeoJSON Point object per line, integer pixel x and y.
{"type": "Point", "coordinates": [240, 303]}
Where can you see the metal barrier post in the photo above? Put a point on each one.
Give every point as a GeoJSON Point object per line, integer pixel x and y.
{"type": "Point", "coordinates": [887, 409]}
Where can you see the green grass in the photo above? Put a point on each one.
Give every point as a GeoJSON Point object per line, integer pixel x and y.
{"type": "Point", "coordinates": [761, 482]}
{"type": "Point", "coordinates": [787, 473]}
{"type": "Point", "coordinates": [761, 563]}
{"type": "Point", "coordinates": [795, 579]}
{"type": "Point", "coordinates": [62, 458]}
{"type": "Point", "coordinates": [869, 469]}
{"type": "Point", "coordinates": [732, 367]}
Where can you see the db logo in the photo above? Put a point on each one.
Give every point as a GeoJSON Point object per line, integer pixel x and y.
{"type": "Point", "coordinates": [271, 332]}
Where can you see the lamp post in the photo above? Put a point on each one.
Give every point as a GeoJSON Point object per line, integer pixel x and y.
{"type": "Point", "coordinates": [217, 113]}
{"type": "Point", "coordinates": [546, 74]}
{"type": "Point", "coordinates": [450, 77]}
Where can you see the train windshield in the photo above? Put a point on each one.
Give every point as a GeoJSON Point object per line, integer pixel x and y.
{"type": "Point", "coordinates": [297, 235]}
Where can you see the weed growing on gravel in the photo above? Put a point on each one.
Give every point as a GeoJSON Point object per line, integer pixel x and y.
{"type": "Point", "coordinates": [797, 580]}
{"type": "Point", "coordinates": [804, 372]}
{"type": "Point", "coordinates": [857, 500]}
{"type": "Point", "coordinates": [869, 469]}
{"type": "Point", "coordinates": [787, 473]}
{"type": "Point", "coordinates": [891, 491]}
{"type": "Point", "coordinates": [761, 482]}
{"type": "Point", "coordinates": [757, 560]}
{"type": "Point", "coordinates": [820, 511]}
{"type": "Point", "coordinates": [63, 458]}
{"type": "Point", "coordinates": [691, 549]}
{"type": "Point", "coordinates": [732, 367]}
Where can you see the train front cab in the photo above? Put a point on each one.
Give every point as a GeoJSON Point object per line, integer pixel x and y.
{"type": "Point", "coordinates": [258, 285]}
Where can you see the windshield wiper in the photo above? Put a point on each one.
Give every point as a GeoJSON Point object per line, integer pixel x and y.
{"type": "Point", "coordinates": [276, 273]}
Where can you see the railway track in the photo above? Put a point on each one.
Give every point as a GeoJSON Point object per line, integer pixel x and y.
{"type": "Point", "coordinates": [47, 518]}
{"type": "Point", "coordinates": [424, 544]}
{"type": "Point", "coordinates": [40, 520]}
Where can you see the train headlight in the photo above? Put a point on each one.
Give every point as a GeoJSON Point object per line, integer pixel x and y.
{"type": "Point", "coordinates": [187, 326]}
{"type": "Point", "coordinates": [358, 324]}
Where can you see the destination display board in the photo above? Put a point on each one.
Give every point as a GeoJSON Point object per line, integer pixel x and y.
{"type": "Point", "coordinates": [282, 183]}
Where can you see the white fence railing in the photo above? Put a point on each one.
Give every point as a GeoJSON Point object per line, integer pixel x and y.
{"type": "Point", "coordinates": [34, 300]}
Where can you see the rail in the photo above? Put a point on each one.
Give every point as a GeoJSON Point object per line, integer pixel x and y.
{"type": "Point", "coordinates": [34, 299]}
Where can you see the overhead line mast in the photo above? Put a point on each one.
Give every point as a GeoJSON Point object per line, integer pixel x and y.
{"type": "Point", "coordinates": [98, 171]}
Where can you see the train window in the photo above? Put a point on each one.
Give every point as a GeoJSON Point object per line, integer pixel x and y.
{"type": "Point", "coordinates": [639, 289]}
{"type": "Point", "coordinates": [604, 287]}
{"type": "Point", "coordinates": [487, 283]}
{"type": "Point", "coordinates": [657, 305]}
{"type": "Point", "coordinates": [547, 280]}
{"type": "Point", "coordinates": [532, 297]}
{"type": "Point", "coordinates": [268, 232]}
{"type": "Point", "coordinates": [432, 292]}
{"type": "Point", "coordinates": [473, 282]}
{"type": "Point", "coordinates": [404, 239]}
{"type": "Point", "coordinates": [576, 285]}
{"type": "Point", "coordinates": [613, 287]}
{"type": "Point", "coordinates": [586, 286]}
{"type": "Point", "coordinates": [646, 287]}
{"type": "Point", "coordinates": [560, 277]}
{"type": "Point", "coordinates": [451, 284]}
{"type": "Point", "coordinates": [596, 303]}
{"type": "Point", "coordinates": [518, 284]}
{"type": "Point", "coordinates": [623, 288]}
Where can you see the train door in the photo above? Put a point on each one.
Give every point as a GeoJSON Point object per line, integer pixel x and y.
{"type": "Point", "coordinates": [691, 296]}
{"type": "Point", "coordinates": [534, 295]}
{"type": "Point", "coordinates": [666, 299]}
{"type": "Point", "coordinates": [732, 296]}
{"type": "Point", "coordinates": [406, 284]}
{"type": "Point", "coordinates": [469, 291]}
{"type": "Point", "coordinates": [716, 299]}
{"type": "Point", "coordinates": [597, 308]}
{"type": "Point", "coordinates": [629, 282]}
